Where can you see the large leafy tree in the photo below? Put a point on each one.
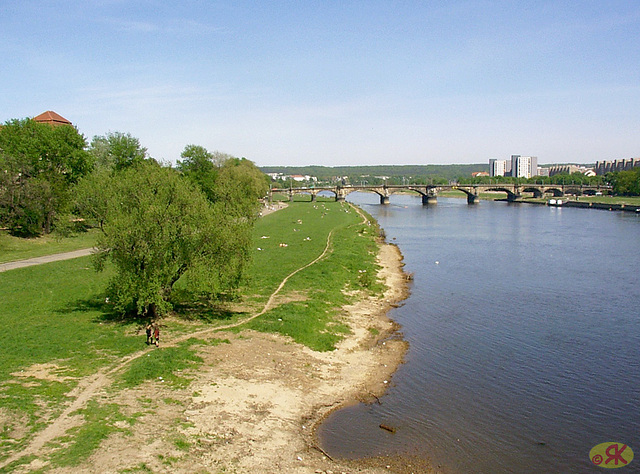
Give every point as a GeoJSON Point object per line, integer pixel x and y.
{"type": "Point", "coordinates": [39, 163]}
{"type": "Point", "coordinates": [198, 166]}
{"type": "Point", "coordinates": [239, 187]}
{"type": "Point", "coordinates": [625, 183]}
{"type": "Point", "coordinates": [117, 150]}
{"type": "Point", "coordinates": [159, 227]}
{"type": "Point", "coordinates": [235, 184]}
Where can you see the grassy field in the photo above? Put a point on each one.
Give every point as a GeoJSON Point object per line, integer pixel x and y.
{"type": "Point", "coordinates": [15, 248]}
{"type": "Point", "coordinates": [630, 200]}
{"type": "Point", "coordinates": [56, 321]}
{"type": "Point", "coordinates": [316, 293]}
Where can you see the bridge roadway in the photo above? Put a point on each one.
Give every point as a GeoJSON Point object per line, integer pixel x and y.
{"type": "Point", "coordinates": [429, 193]}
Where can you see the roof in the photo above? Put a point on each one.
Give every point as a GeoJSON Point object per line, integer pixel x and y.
{"type": "Point", "coordinates": [52, 118]}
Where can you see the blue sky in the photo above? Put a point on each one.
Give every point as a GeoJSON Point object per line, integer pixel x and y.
{"type": "Point", "coordinates": [334, 82]}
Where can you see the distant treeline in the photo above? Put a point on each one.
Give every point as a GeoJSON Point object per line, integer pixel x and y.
{"type": "Point", "coordinates": [354, 174]}
{"type": "Point", "coordinates": [624, 183]}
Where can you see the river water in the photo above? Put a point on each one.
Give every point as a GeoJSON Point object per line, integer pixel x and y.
{"type": "Point", "coordinates": [524, 331]}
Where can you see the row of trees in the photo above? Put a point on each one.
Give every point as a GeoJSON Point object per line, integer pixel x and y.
{"type": "Point", "coordinates": [158, 223]}
{"type": "Point", "coordinates": [573, 178]}
{"type": "Point", "coordinates": [420, 174]}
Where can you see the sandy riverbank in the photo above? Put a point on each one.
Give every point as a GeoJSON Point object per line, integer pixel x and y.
{"type": "Point", "coordinates": [255, 402]}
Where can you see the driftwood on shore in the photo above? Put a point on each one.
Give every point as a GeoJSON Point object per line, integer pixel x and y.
{"type": "Point", "coordinates": [388, 428]}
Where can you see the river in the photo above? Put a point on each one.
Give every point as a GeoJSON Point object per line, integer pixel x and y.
{"type": "Point", "coordinates": [524, 331]}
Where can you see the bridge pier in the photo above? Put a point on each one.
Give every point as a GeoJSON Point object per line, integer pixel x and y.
{"type": "Point", "coordinates": [513, 197]}
{"type": "Point", "coordinates": [384, 199]}
{"type": "Point", "coordinates": [472, 199]}
{"type": "Point", "coordinates": [313, 198]}
{"type": "Point", "coordinates": [429, 200]}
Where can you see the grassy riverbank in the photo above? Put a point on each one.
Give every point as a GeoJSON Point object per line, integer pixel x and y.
{"type": "Point", "coordinates": [59, 332]}
{"type": "Point", "coordinates": [492, 196]}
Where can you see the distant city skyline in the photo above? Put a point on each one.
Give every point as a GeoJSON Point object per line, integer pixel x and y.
{"type": "Point", "coordinates": [344, 83]}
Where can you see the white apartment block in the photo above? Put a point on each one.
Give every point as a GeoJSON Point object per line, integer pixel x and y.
{"type": "Point", "coordinates": [524, 166]}
{"type": "Point", "coordinates": [498, 167]}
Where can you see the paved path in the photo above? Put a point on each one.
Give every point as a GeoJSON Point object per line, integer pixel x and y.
{"type": "Point", "coordinates": [44, 259]}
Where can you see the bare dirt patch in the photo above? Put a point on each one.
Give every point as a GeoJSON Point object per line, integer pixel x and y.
{"type": "Point", "coordinates": [49, 372]}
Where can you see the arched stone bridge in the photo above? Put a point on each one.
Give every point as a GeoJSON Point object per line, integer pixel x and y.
{"type": "Point", "coordinates": [429, 193]}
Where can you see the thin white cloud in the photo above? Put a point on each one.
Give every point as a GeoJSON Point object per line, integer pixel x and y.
{"type": "Point", "coordinates": [132, 25]}
{"type": "Point", "coordinates": [186, 25]}
{"type": "Point", "coordinates": [180, 26]}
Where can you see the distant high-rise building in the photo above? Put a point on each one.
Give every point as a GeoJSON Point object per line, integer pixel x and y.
{"type": "Point", "coordinates": [524, 166]}
{"type": "Point", "coordinates": [497, 167]}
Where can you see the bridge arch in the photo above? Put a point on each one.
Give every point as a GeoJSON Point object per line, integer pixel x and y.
{"type": "Point", "coordinates": [537, 192]}
{"type": "Point", "coordinates": [554, 191]}
{"type": "Point", "coordinates": [511, 195]}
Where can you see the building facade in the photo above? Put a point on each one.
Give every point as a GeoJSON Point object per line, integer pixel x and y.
{"type": "Point", "coordinates": [570, 169]}
{"type": "Point", "coordinates": [524, 166]}
{"type": "Point", "coordinates": [518, 166]}
{"type": "Point", "coordinates": [604, 167]}
{"type": "Point", "coordinates": [499, 167]}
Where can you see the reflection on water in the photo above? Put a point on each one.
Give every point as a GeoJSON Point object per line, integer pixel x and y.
{"type": "Point", "coordinates": [524, 332]}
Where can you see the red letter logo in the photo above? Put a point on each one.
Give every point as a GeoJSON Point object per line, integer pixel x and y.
{"type": "Point", "coordinates": [611, 455]}
{"type": "Point", "coordinates": [617, 455]}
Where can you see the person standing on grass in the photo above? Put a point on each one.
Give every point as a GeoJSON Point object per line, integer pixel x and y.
{"type": "Point", "coordinates": [156, 334]}
{"type": "Point", "coordinates": [149, 339]}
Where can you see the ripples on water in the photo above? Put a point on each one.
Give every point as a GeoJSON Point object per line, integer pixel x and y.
{"type": "Point", "coordinates": [524, 334]}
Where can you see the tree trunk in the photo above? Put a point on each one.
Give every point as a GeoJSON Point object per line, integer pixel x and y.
{"type": "Point", "coordinates": [152, 311]}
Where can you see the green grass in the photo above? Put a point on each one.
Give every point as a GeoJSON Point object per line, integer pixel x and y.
{"type": "Point", "coordinates": [318, 291]}
{"type": "Point", "coordinates": [630, 200]}
{"type": "Point", "coordinates": [291, 226]}
{"type": "Point", "coordinates": [99, 422]}
{"type": "Point", "coordinates": [163, 364]}
{"type": "Point", "coordinates": [57, 312]}
{"type": "Point", "coordinates": [16, 248]}
{"type": "Point", "coordinates": [53, 314]}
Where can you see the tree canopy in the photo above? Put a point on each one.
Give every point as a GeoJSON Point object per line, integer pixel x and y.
{"type": "Point", "coordinates": [39, 164]}
{"type": "Point", "coordinates": [159, 227]}
{"type": "Point", "coordinates": [625, 183]}
{"type": "Point", "coordinates": [236, 184]}
{"type": "Point", "coordinates": [117, 150]}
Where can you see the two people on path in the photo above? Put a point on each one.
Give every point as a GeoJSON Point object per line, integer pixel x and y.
{"type": "Point", "coordinates": [156, 334]}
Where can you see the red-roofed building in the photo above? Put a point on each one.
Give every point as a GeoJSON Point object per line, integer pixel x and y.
{"type": "Point", "coordinates": [51, 118]}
